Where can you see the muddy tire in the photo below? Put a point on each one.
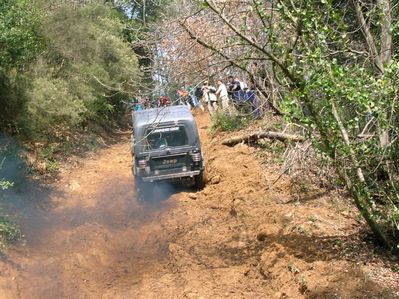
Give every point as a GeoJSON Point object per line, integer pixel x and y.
{"type": "Point", "coordinates": [200, 180]}
{"type": "Point", "coordinates": [140, 187]}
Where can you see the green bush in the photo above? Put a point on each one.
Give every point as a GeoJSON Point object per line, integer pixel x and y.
{"type": "Point", "coordinates": [18, 33]}
{"type": "Point", "coordinates": [9, 232]}
{"type": "Point", "coordinates": [51, 103]}
{"type": "Point", "coordinates": [222, 121]}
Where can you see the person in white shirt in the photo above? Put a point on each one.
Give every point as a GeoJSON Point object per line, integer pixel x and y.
{"type": "Point", "coordinates": [221, 92]}
{"type": "Point", "coordinates": [210, 97]}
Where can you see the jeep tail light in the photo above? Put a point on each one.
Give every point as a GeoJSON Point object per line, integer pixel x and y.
{"type": "Point", "coordinates": [196, 157]}
{"type": "Point", "coordinates": [142, 164]}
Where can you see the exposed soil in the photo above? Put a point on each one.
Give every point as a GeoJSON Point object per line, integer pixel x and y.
{"type": "Point", "coordinates": [87, 236]}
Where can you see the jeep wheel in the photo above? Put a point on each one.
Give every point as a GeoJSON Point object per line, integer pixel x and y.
{"type": "Point", "coordinates": [200, 180]}
{"type": "Point", "coordinates": [140, 186]}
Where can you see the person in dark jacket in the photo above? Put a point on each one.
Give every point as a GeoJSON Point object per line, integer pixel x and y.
{"type": "Point", "coordinates": [199, 93]}
{"type": "Point", "coordinates": [233, 88]}
{"type": "Point", "coordinates": [254, 101]}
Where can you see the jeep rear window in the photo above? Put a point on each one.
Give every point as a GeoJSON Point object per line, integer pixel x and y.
{"type": "Point", "coordinates": [159, 138]}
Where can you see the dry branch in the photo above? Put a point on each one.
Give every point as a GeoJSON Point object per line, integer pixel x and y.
{"type": "Point", "coordinates": [262, 135]}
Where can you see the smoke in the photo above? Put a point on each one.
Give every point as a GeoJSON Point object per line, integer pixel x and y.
{"type": "Point", "coordinates": [12, 167]}
{"type": "Point", "coordinates": [21, 199]}
{"type": "Point", "coordinates": [12, 170]}
{"type": "Point", "coordinates": [157, 192]}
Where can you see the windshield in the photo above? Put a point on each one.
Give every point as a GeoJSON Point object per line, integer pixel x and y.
{"type": "Point", "coordinates": [160, 138]}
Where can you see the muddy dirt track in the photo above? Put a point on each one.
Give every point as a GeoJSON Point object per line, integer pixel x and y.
{"type": "Point", "coordinates": [89, 237]}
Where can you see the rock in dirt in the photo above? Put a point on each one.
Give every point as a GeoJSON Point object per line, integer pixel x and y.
{"type": "Point", "coordinates": [193, 196]}
{"type": "Point", "coordinates": [216, 180]}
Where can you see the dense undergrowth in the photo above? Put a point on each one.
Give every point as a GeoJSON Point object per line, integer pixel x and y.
{"type": "Point", "coordinates": [226, 122]}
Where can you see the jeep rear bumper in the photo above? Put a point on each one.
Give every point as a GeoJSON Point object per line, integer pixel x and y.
{"type": "Point", "coordinates": [170, 176]}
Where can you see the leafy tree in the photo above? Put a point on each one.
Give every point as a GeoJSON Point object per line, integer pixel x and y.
{"type": "Point", "coordinates": [19, 41]}
{"type": "Point", "coordinates": [86, 71]}
{"type": "Point", "coordinates": [142, 17]}
{"type": "Point", "coordinates": [19, 45]}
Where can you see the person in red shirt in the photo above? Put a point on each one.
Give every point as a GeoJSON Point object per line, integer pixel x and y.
{"type": "Point", "coordinates": [163, 101]}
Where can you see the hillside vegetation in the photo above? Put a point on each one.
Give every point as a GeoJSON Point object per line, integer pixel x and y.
{"type": "Point", "coordinates": [63, 66]}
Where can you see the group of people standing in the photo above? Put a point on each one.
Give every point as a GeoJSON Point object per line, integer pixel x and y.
{"type": "Point", "coordinates": [210, 96]}
{"type": "Point", "coordinates": [141, 103]}
{"type": "Point", "coordinates": [228, 96]}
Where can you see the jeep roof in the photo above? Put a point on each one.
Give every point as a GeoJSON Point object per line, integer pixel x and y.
{"type": "Point", "coordinates": [168, 114]}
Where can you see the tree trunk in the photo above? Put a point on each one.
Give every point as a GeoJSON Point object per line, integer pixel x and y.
{"type": "Point", "coordinates": [386, 32]}
{"type": "Point", "coordinates": [250, 138]}
{"type": "Point", "coordinates": [360, 197]}
{"type": "Point", "coordinates": [359, 191]}
{"type": "Point", "coordinates": [371, 45]}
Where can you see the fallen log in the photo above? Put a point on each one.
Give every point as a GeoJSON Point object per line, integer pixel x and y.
{"type": "Point", "coordinates": [262, 135]}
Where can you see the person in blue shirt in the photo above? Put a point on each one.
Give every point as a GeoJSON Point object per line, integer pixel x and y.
{"type": "Point", "coordinates": [253, 100]}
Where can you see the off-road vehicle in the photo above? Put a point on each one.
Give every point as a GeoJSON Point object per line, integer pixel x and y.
{"type": "Point", "coordinates": [166, 146]}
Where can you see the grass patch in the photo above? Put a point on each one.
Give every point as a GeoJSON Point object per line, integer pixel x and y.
{"type": "Point", "coordinates": [222, 121]}
{"type": "Point", "coordinates": [5, 185]}
{"type": "Point", "coordinates": [9, 232]}
{"type": "Point", "coordinates": [48, 156]}
{"type": "Point", "coordinates": [51, 153]}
